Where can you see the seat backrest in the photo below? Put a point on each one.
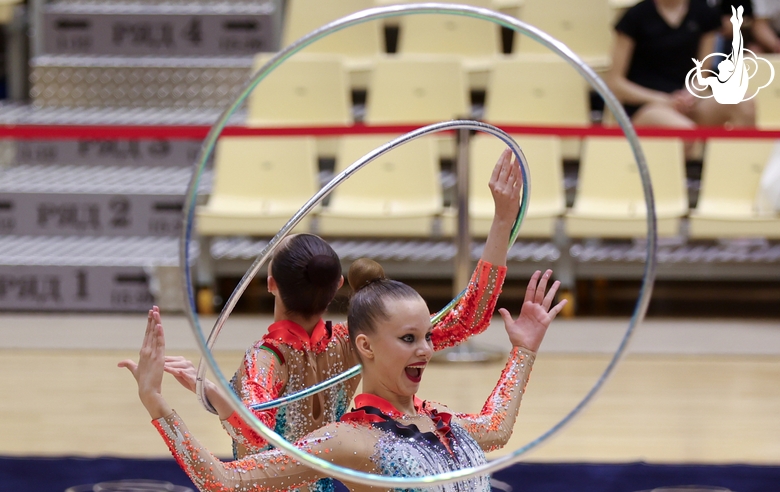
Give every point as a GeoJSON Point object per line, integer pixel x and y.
{"type": "Point", "coordinates": [731, 175]}
{"type": "Point", "coordinates": [768, 98]}
{"type": "Point", "coordinates": [404, 179]}
{"type": "Point", "coordinates": [453, 34]}
{"type": "Point", "coordinates": [303, 16]}
{"type": "Point", "coordinates": [307, 89]}
{"type": "Point", "coordinates": [609, 181]}
{"type": "Point", "coordinates": [546, 167]}
{"type": "Point", "coordinates": [536, 90]}
{"type": "Point", "coordinates": [417, 89]}
{"type": "Point", "coordinates": [582, 25]}
{"type": "Point", "coordinates": [271, 169]}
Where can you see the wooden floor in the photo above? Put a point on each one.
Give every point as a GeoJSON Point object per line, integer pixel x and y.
{"type": "Point", "coordinates": [690, 391]}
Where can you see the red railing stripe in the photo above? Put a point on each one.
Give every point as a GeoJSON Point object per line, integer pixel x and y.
{"type": "Point", "coordinates": [115, 132]}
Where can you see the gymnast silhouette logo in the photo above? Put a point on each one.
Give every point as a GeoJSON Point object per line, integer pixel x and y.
{"type": "Point", "coordinates": [730, 84]}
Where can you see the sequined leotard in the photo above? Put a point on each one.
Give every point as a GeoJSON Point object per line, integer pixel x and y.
{"type": "Point", "coordinates": [288, 360]}
{"type": "Point", "coordinates": [374, 438]}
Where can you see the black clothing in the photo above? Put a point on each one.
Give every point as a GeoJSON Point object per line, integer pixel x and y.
{"type": "Point", "coordinates": [663, 54]}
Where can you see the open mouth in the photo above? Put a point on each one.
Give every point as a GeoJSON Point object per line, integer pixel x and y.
{"type": "Point", "coordinates": [414, 373]}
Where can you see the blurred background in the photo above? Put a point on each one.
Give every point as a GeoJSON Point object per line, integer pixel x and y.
{"type": "Point", "coordinates": [105, 105]}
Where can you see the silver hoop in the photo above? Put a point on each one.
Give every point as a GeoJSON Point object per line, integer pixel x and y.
{"type": "Point", "coordinates": [208, 147]}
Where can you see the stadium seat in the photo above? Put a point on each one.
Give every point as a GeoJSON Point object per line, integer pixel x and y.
{"type": "Point", "coordinates": [475, 41]}
{"type": "Point", "coordinates": [259, 183]}
{"type": "Point", "coordinates": [360, 44]}
{"type": "Point", "coordinates": [397, 195]}
{"type": "Point", "coordinates": [582, 25]}
{"type": "Point", "coordinates": [306, 90]}
{"type": "Point", "coordinates": [417, 89]}
{"type": "Point", "coordinates": [768, 98]}
{"type": "Point", "coordinates": [727, 200]}
{"type": "Point", "coordinates": [554, 95]}
{"type": "Point", "coordinates": [610, 203]}
{"type": "Point", "coordinates": [547, 201]}
{"type": "Point", "coordinates": [7, 10]}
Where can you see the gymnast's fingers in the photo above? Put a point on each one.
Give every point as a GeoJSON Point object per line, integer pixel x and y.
{"type": "Point", "coordinates": [557, 309]}
{"type": "Point", "coordinates": [515, 178]}
{"type": "Point", "coordinates": [539, 294]}
{"type": "Point", "coordinates": [149, 329]}
{"type": "Point", "coordinates": [530, 291]}
{"type": "Point", "coordinates": [548, 299]}
{"type": "Point", "coordinates": [505, 169]}
{"type": "Point", "coordinates": [130, 365]}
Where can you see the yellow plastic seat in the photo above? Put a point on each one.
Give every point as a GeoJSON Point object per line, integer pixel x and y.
{"type": "Point", "coordinates": [417, 89]}
{"type": "Point", "coordinates": [359, 44]}
{"type": "Point", "coordinates": [536, 90]}
{"type": "Point", "coordinates": [610, 203]}
{"type": "Point", "coordinates": [306, 90]}
{"type": "Point", "coordinates": [555, 95]}
{"type": "Point", "coordinates": [475, 41]}
{"type": "Point", "coordinates": [7, 10]}
{"type": "Point", "coordinates": [547, 201]}
{"type": "Point", "coordinates": [582, 25]}
{"type": "Point", "coordinates": [259, 183]}
{"type": "Point", "coordinates": [398, 194]}
{"type": "Point", "coordinates": [768, 98]}
{"type": "Point", "coordinates": [729, 186]}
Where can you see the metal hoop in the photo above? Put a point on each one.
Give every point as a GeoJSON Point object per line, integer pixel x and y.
{"type": "Point", "coordinates": [265, 255]}
{"type": "Point", "coordinates": [381, 13]}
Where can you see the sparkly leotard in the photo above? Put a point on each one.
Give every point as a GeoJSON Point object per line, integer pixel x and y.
{"type": "Point", "coordinates": [288, 360]}
{"type": "Point", "coordinates": [374, 438]}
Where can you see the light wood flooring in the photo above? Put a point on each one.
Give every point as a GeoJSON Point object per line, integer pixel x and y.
{"type": "Point", "coordinates": [702, 391]}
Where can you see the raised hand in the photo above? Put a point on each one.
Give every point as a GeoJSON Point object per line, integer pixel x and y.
{"type": "Point", "coordinates": [186, 374]}
{"type": "Point", "coordinates": [505, 186]}
{"type": "Point", "coordinates": [183, 370]}
{"type": "Point", "coordinates": [528, 329]}
{"type": "Point", "coordinates": [148, 372]}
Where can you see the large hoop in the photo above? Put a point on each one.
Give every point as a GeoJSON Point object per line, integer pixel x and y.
{"type": "Point", "coordinates": [358, 18]}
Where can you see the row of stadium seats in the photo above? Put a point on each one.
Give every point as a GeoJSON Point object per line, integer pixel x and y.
{"type": "Point", "coordinates": [313, 90]}
{"type": "Point", "coordinates": [584, 25]}
{"type": "Point", "coordinates": [260, 182]}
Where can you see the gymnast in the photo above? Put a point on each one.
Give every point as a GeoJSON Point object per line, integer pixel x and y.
{"type": "Point", "coordinates": [390, 432]}
{"type": "Point", "coordinates": [300, 349]}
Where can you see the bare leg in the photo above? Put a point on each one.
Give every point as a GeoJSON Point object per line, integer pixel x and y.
{"type": "Point", "coordinates": [659, 114]}
{"type": "Point", "coordinates": [709, 112]}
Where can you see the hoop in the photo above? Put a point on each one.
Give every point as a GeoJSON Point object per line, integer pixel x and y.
{"type": "Point", "coordinates": [208, 147]}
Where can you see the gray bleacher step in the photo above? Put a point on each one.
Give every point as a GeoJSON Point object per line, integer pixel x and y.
{"type": "Point", "coordinates": [726, 259]}
{"type": "Point", "coordinates": [141, 82]}
{"type": "Point", "coordinates": [89, 3]}
{"type": "Point", "coordinates": [25, 114]}
{"type": "Point", "coordinates": [88, 274]}
{"type": "Point", "coordinates": [100, 152]}
{"type": "Point", "coordinates": [725, 251]}
{"type": "Point", "coordinates": [164, 29]}
{"type": "Point", "coordinates": [390, 249]}
{"type": "Point", "coordinates": [94, 200]}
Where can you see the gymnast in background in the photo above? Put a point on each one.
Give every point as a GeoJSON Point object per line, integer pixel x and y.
{"type": "Point", "coordinates": [300, 349]}
{"type": "Point", "coordinates": [391, 431]}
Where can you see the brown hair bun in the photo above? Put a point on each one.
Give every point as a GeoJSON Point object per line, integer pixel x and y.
{"type": "Point", "coordinates": [362, 272]}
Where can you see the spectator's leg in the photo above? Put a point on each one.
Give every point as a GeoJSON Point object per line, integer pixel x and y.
{"type": "Point", "coordinates": [658, 114]}
{"type": "Point", "coordinates": [709, 112]}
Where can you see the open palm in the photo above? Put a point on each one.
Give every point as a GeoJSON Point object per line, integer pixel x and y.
{"type": "Point", "coordinates": [528, 329]}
